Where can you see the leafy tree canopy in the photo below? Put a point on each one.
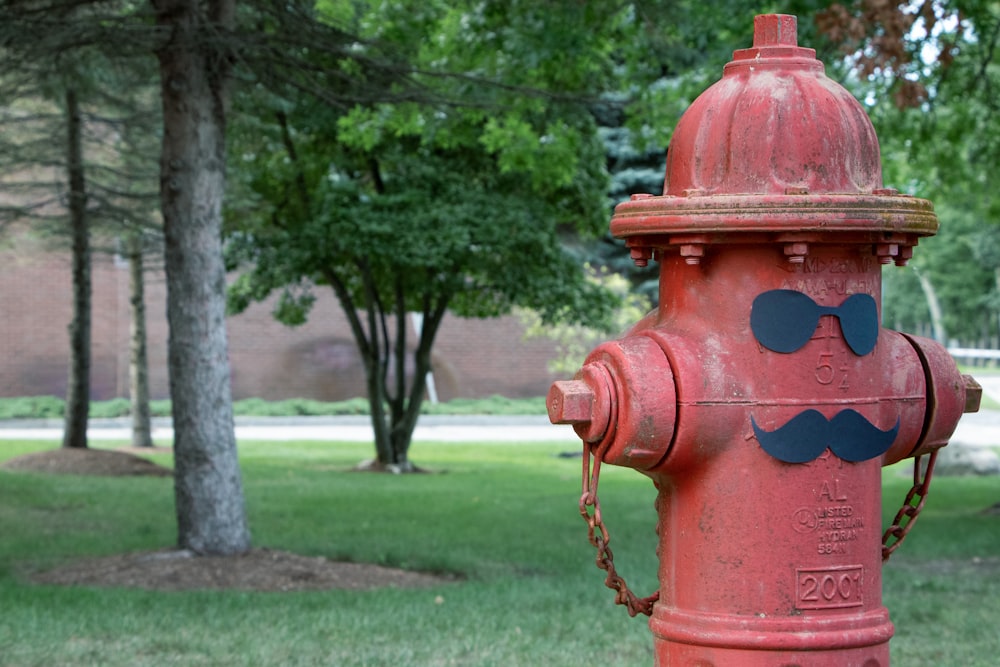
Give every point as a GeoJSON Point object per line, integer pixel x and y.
{"type": "Point", "coordinates": [928, 74]}
{"type": "Point", "coordinates": [455, 200]}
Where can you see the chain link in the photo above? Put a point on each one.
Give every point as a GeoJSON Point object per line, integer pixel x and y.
{"type": "Point", "coordinates": [908, 513]}
{"type": "Point", "coordinates": [597, 532]}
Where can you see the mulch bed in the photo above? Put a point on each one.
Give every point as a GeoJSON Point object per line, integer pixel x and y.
{"type": "Point", "coordinates": [256, 570]}
{"type": "Point", "coordinates": [86, 461]}
{"type": "Point", "coordinates": [178, 569]}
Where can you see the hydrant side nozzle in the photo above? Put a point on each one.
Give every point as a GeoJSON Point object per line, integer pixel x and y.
{"type": "Point", "coordinates": [584, 402]}
{"type": "Point", "coordinates": [949, 395]}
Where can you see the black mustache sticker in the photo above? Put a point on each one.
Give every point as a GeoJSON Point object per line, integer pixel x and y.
{"type": "Point", "coordinates": [784, 320]}
{"type": "Point", "coordinates": [807, 435]}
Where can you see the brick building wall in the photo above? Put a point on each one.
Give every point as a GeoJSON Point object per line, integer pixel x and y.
{"type": "Point", "coordinates": [472, 358]}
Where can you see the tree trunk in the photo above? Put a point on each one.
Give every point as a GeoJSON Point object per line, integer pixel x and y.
{"type": "Point", "coordinates": [404, 425]}
{"type": "Point", "coordinates": [933, 306]}
{"type": "Point", "coordinates": [375, 383]}
{"type": "Point", "coordinates": [78, 383]}
{"type": "Point", "coordinates": [138, 365]}
{"type": "Point", "coordinates": [394, 431]}
{"type": "Point", "coordinates": [211, 516]}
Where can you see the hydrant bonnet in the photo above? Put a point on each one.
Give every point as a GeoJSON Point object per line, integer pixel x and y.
{"type": "Point", "coordinates": [774, 123]}
{"type": "Point", "coordinates": [774, 152]}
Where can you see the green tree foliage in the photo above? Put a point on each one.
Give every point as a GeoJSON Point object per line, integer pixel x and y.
{"type": "Point", "coordinates": [929, 75]}
{"type": "Point", "coordinates": [456, 201]}
{"type": "Point", "coordinates": [953, 266]}
{"type": "Point", "coordinates": [575, 340]}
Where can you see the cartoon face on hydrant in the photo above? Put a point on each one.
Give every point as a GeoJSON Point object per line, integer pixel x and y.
{"type": "Point", "coordinates": [762, 397]}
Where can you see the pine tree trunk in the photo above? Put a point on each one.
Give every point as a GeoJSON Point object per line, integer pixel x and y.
{"type": "Point", "coordinates": [211, 516]}
{"type": "Point", "coordinates": [78, 382]}
{"type": "Point", "coordinates": [138, 365]}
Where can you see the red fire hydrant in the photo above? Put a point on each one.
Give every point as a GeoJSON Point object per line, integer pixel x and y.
{"type": "Point", "coordinates": [762, 397]}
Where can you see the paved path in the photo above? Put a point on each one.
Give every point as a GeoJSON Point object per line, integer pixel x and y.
{"type": "Point", "coordinates": [446, 428]}
{"type": "Point", "coordinates": [982, 428]}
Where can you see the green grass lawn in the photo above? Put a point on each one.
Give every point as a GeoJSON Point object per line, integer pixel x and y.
{"type": "Point", "coordinates": [503, 515]}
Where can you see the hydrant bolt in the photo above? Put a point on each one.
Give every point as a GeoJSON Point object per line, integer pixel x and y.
{"type": "Point", "coordinates": [904, 256]}
{"type": "Point", "coordinates": [641, 256]}
{"type": "Point", "coordinates": [886, 252]}
{"type": "Point", "coordinates": [796, 252]}
{"type": "Point", "coordinates": [692, 253]}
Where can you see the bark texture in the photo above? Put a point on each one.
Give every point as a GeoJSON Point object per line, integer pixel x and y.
{"type": "Point", "coordinates": [138, 362]}
{"type": "Point", "coordinates": [211, 516]}
{"type": "Point", "coordinates": [78, 382]}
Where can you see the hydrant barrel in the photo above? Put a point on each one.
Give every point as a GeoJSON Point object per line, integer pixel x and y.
{"type": "Point", "coordinates": [763, 396]}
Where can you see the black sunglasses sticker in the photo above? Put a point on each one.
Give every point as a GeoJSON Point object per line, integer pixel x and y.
{"type": "Point", "coordinates": [784, 320]}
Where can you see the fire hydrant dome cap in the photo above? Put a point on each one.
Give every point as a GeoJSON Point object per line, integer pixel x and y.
{"type": "Point", "coordinates": [774, 122]}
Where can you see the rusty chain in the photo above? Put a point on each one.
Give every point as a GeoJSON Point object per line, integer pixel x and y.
{"type": "Point", "coordinates": [900, 527]}
{"type": "Point", "coordinates": [598, 535]}
{"type": "Point", "coordinates": [597, 532]}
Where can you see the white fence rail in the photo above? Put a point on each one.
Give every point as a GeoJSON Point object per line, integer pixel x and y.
{"type": "Point", "coordinates": [973, 353]}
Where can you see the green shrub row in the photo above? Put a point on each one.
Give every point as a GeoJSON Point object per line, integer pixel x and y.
{"type": "Point", "coordinates": [51, 407]}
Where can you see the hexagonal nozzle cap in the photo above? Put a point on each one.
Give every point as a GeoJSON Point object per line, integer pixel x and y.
{"type": "Point", "coordinates": [973, 394]}
{"type": "Point", "coordinates": [584, 402]}
{"type": "Point", "coordinates": [570, 402]}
